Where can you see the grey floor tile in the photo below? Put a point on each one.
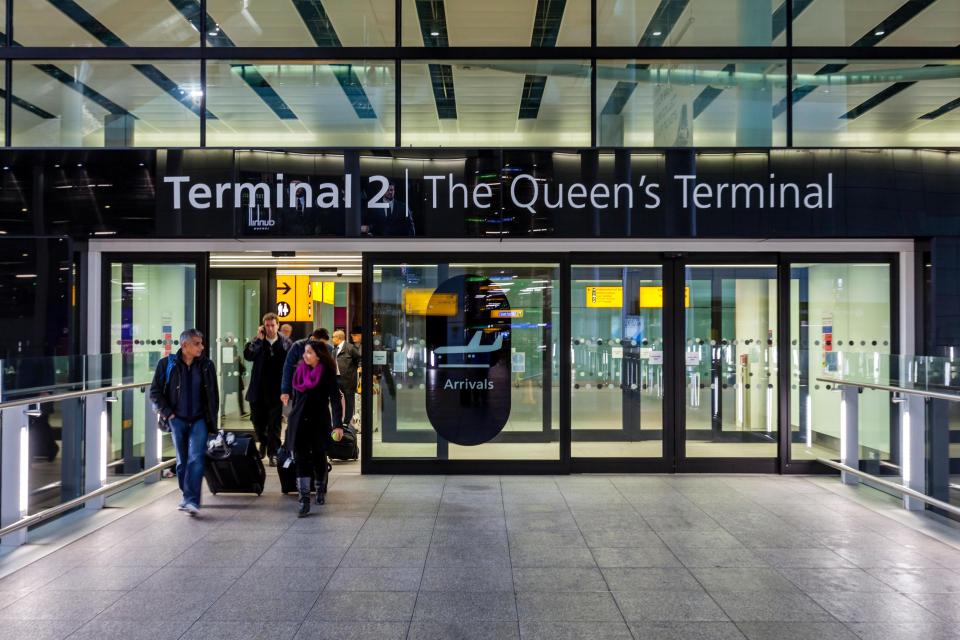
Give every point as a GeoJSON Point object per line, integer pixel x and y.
{"type": "Point", "coordinates": [210, 580]}
{"type": "Point", "coordinates": [635, 557]}
{"type": "Point", "coordinates": [905, 630]}
{"type": "Point", "coordinates": [154, 604]}
{"type": "Point", "coordinates": [47, 604]}
{"type": "Point", "coordinates": [102, 578]}
{"type": "Point", "coordinates": [290, 606]}
{"type": "Point", "coordinates": [945, 606]}
{"type": "Point", "coordinates": [364, 606]}
{"type": "Point", "coordinates": [710, 539]}
{"type": "Point", "coordinates": [770, 606]}
{"type": "Point", "coordinates": [467, 579]}
{"type": "Point", "coordinates": [558, 579]}
{"type": "Point", "coordinates": [919, 580]}
{"type": "Point", "coordinates": [468, 556]}
{"type": "Point", "coordinates": [37, 629]}
{"type": "Point", "coordinates": [409, 557]}
{"type": "Point", "coordinates": [818, 580]}
{"type": "Point", "coordinates": [686, 631]}
{"type": "Point", "coordinates": [540, 556]}
{"type": "Point", "coordinates": [383, 538]}
{"type": "Point", "coordinates": [213, 629]}
{"type": "Point", "coordinates": [453, 606]}
{"type": "Point", "coordinates": [872, 607]}
{"type": "Point", "coordinates": [571, 630]}
{"type": "Point", "coordinates": [646, 578]}
{"type": "Point", "coordinates": [101, 629]}
{"type": "Point", "coordinates": [796, 631]}
{"type": "Point", "coordinates": [813, 558]}
{"type": "Point", "coordinates": [620, 537]}
{"type": "Point", "coordinates": [733, 558]}
{"type": "Point", "coordinates": [274, 580]}
{"type": "Point", "coordinates": [315, 630]}
{"type": "Point", "coordinates": [215, 555]}
{"type": "Point", "coordinates": [668, 606]}
{"type": "Point", "coordinates": [895, 557]}
{"type": "Point", "coordinates": [566, 606]}
{"type": "Point", "coordinates": [742, 579]}
{"type": "Point", "coordinates": [375, 579]}
{"type": "Point", "coordinates": [555, 538]}
{"type": "Point", "coordinates": [471, 630]}
{"type": "Point", "coordinates": [317, 556]}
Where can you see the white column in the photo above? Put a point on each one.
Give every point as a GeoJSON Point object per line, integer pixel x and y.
{"type": "Point", "coordinates": [151, 438]}
{"type": "Point", "coordinates": [14, 471]}
{"type": "Point", "coordinates": [913, 448]}
{"type": "Point", "coordinates": [849, 432]}
{"type": "Point", "coordinates": [95, 443]}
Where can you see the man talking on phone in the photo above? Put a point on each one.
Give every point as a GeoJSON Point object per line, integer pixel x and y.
{"type": "Point", "coordinates": [267, 351]}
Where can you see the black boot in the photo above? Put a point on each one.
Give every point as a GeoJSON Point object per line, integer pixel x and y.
{"type": "Point", "coordinates": [263, 450]}
{"type": "Point", "coordinates": [322, 483]}
{"type": "Point", "coordinates": [303, 486]}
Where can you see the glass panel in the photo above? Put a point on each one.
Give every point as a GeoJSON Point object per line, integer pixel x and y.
{"type": "Point", "coordinates": [301, 105]}
{"type": "Point", "coordinates": [490, 103]}
{"type": "Point", "coordinates": [110, 23]}
{"type": "Point", "coordinates": [720, 104]}
{"type": "Point", "coordinates": [876, 23]}
{"type": "Point", "coordinates": [836, 308]}
{"type": "Point", "coordinates": [235, 318]}
{"type": "Point", "coordinates": [307, 23]}
{"type": "Point", "coordinates": [652, 23]}
{"type": "Point", "coordinates": [617, 348]}
{"type": "Point", "coordinates": [465, 361]}
{"type": "Point", "coordinates": [55, 444]}
{"type": "Point", "coordinates": [150, 304]}
{"type": "Point", "coordinates": [730, 362]}
{"type": "Point", "coordinates": [106, 104]}
{"type": "Point", "coordinates": [876, 104]}
{"type": "Point", "coordinates": [518, 23]}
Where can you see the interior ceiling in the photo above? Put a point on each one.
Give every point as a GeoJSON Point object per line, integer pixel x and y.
{"type": "Point", "coordinates": [446, 102]}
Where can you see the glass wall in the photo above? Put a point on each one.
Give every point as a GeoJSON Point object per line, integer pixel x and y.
{"type": "Point", "coordinates": [466, 361]}
{"type": "Point", "coordinates": [838, 309]}
{"type": "Point", "coordinates": [450, 103]}
{"type": "Point", "coordinates": [880, 23]}
{"type": "Point", "coordinates": [651, 23]}
{"type": "Point", "coordinates": [301, 104]}
{"type": "Point", "coordinates": [617, 348]}
{"type": "Point", "coordinates": [716, 103]}
{"type": "Point", "coordinates": [235, 313]}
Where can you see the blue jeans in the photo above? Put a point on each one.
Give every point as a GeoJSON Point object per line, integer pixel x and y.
{"type": "Point", "coordinates": [190, 443]}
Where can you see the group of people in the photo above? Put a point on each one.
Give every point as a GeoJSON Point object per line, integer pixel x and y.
{"type": "Point", "coordinates": [315, 378]}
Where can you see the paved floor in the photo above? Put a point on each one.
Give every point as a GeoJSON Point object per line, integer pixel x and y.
{"type": "Point", "coordinates": [601, 557]}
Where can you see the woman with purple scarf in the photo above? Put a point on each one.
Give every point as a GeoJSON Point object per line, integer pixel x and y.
{"type": "Point", "coordinates": [315, 414]}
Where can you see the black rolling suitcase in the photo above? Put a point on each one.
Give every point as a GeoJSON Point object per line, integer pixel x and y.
{"type": "Point", "coordinates": [288, 475]}
{"type": "Point", "coordinates": [346, 448]}
{"type": "Point", "coordinates": [233, 465]}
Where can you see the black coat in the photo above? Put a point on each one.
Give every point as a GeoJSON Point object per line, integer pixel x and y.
{"type": "Point", "coordinates": [311, 409]}
{"type": "Point", "coordinates": [164, 395]}
{"type": "Point", "coordinates": [347, 362]}
{"type": "Point", "coordinates": [256, 352]}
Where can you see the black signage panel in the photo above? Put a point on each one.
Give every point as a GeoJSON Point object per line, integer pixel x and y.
{"type": "Point", "coordinates": [468, 369]}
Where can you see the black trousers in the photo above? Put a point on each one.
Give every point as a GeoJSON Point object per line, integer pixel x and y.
{"type": "Point", "coordinates": [349, 397]}
{"type": "Point", "coordinates": [310, 453]}
{"type": "Point", "coordinates": [266, 418]}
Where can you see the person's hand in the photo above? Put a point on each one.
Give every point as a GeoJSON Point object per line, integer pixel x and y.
{"type": "Point", "coordinates": [337, 434]}
{"type": "Point", "coordinates": [260, 332]}
{"type": "Point", "coordinates": [284, 398]}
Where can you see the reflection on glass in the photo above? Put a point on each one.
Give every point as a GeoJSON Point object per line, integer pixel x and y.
{"type": "Point", "coordinates": [235, 318]}
{"type": "Point", "coordinates": [301, 105]}
{"type": "Point", "coordinates": [617, 361]}
{"type": "Point", "coordinates": [721, 103]}
{"type": "Point", "coordinates": [437, 353]}
{"type": "Point", "coordinates": [496, 103]}
{"type": "Point", "coordinates": [652, 23]}
{"type": "Point", "coordinates": [101, 103]}
{"type": "Point", "coordinates": [838, 312]}
{"type": "Point", "coordinates": [301, 23]}
{"type": "Point", "coordinates": [730, 362]}
{"type": "Point", "coordinates": [130, 23]}
{"type": "Point", "coordinates": [875, 23]}
{"type": "Point", "coordinates": [55, 441]}
{"type": "Point", "coordinates": [518, 23]}
{"type": "Point", "coordinates": [876, 104]}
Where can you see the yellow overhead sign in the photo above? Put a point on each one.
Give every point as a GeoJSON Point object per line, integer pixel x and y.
{"type": "Point", "coordinates": [324, 291]}
{"type": "Point", "coordinates": [424, 302]}
{"type": "Point", "coordinates": [506, 313]}
{"type": "Point", "coordinates": [604, 297]}
{"type": "Point", "coordinates": [294, 298]}
{"type": "Point", "coordinates": [652, 297]}
{"type": "Point", "coordinates": [304, 309]}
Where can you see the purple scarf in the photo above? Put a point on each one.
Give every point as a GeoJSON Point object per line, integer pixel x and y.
{"type": "Point", "coordinates": [306, 378]}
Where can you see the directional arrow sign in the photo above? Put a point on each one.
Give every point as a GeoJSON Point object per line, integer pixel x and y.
{"type": "Point", "coordinates": [283, 287]}
{"type": "Point", "coordinates": [286, 297]}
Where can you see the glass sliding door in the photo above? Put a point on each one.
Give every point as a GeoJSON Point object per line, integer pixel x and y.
{"type": "Point", "coordinates": [729, 361]}
{"type": "Point", "coordinates": [465, 360]}
{"type": "Point", "coordinates": [617, 361]}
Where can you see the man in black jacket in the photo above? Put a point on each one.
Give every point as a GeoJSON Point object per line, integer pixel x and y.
{"type": "Point", "coordinates": [184, 390]}
{"type": "Point", "coordinates": [267, 351]}
{"type": "Point", "coordinates": [348, 359]}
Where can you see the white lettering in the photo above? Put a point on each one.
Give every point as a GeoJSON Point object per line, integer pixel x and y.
{"type": "Point", "coordinates": [252, 190]}
{"type": "Point", "coordinates": [177, 181]}
{"type": "Point", "coordinates": [685, 180]}
{"type": "Point", "coordinates": [487, 193]}
{"type": "Point", "coordinates": [294, 193]}
{"type": "Point", "coordinates": [599, 191]}
{"type": "Point", "coordinates": [526, 177]}
{"type": "Point", "coordinates": [434, 180]}
{"type": "Point", "coordinates": [581, 192]}
{"type": "Point", "coordinates": [328, 196]}
{"type": "Point", "coordinates": [222, 187]}
{"type": "Point", "coordinates": [198, 191]}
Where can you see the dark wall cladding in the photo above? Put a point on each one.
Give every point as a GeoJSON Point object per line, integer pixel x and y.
{"type": "Point", "coordinates": [481, 193]}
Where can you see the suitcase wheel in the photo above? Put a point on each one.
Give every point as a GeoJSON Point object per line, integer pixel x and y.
{"type": "Point", "coordinates": [258, 489]}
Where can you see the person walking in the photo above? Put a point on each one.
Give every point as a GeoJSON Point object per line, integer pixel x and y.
{"type": "Point", "coordinates": [315, 415]}
{"type": "Point", "coordinates": [348, 359]}
{"type": "Point", "coordinates": [268, 352]}
{"type": "Point", "coordinates": [184, 391]}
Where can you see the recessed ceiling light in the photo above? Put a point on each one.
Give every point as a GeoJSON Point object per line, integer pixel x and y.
{"type": "Point", "coordinates": [658, 33]}
{"type": "Point", "coordinates": [79, 164]}
{"type": "Point", "coordinates": [26, 275]}
{"type": "Point", "coordinates": [434, 33]}
{"type": "Point", "coordinates": [196, 93]}
{"type": "Point", "coordinates": [879, 32]}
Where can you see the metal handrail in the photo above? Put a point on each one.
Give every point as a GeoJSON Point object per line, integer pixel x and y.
{"type": "Point", "coordinates": [950, 397]}
{"type": "Point", "coordinates": [70, 395]}
{"type": "Point", "coordinates": [113, 487]}
{"type": "Point", "coordinates": [913, 493]}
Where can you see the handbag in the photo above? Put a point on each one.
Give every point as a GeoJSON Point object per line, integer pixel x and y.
{"type": "Point", "coordinates": [163, 422]}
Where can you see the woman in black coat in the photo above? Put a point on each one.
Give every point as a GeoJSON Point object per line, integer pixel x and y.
{"type": "Point", "coordinates": [311, 421]}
